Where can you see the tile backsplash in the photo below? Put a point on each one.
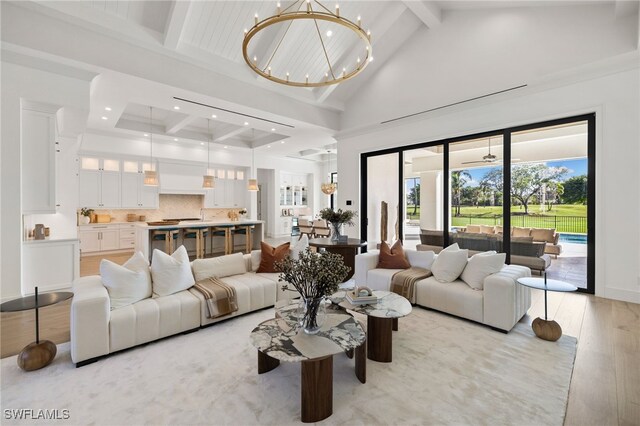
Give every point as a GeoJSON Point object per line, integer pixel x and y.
{"type": "Point", "coordinates": [170, 206]}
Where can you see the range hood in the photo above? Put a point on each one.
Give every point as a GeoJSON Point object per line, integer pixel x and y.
{"type": "Point", "coordinates": [177, 178]}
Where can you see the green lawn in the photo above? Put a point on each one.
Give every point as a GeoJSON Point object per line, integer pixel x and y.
{"type": "Point", "coordinates": [564, 218]}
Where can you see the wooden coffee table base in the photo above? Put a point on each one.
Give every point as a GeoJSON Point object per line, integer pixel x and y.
{"type": "Point", "coordinates": [316, 389]}
{"type": "Point", "coordinates": [546, 330]}
{"type": "Point", "coordinates": [379, 338]}
{"type": "Point", "coordinates": [266, 363]}
{"type": "Point", "coordinates": [37, 355]}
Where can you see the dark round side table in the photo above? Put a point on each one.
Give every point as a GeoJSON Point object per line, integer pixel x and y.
{"type": "Point", "coordinates": [39, 353]}
{"type": "Point", "coordinates": [348, 249]}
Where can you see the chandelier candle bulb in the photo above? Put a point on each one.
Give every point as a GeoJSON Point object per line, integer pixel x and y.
{"type": "Point", "coordinates": [255, 18]}
{"type": "Point", "coordinates": [269, 70]}
{"type": "Point", "coordinates": [359, 21]}
{"type": "Point", "coordinates": [338, 10]}
{"type": "Point", "coordinates": [278, 8]}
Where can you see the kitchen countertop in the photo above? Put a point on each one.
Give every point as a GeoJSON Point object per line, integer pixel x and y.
{"type": "Point", "coordinates": [109, 223]}
{"type": "Point", "coordinates": [50, 240]}
{"type": "Point", "coordinates": [194, 223]}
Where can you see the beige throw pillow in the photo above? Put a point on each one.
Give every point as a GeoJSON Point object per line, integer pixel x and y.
{"type": "Point", "coordinates": [449, 264]}
{"type": "Point", "coordinates": [126, 284]}
{"type": "Point", "coordinates": [219, 267]}
{"type": "Point", "coordinates": [480, 266]}
{"type": "Point", "coordinates": [521, 232]}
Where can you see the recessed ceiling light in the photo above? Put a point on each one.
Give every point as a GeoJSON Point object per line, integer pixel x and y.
{"type": "Point", "coordinates": [146, 134]}
{"type": "Point", "coordinates": [175, 139]}
{"type": "Point", "coordinates": [281, 141]}
{"type": "Point", "coordinates": [273, 130]}
{"type": "Point", "coordinates": [268, 146]}
{"type": "Point", "coordinates": [329, 33]}
{"type": "Point", "coordinates": [214, 116]}
{"type": "Point", "coordinates": [225, 147]}
{"type": "Point", "coordinates": [201, 143]}
{"type": "Point", "coordinates": [176, 107]}
{"type": "Point", "coordinates": [104, 118]}
{"type": "Point", "coordinates": [246, 123]}
{"type": "Point", "coordinates": [107, 108]}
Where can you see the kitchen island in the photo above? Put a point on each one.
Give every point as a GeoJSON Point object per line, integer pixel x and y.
{"type": "Point", "coordinates": [144, 232]}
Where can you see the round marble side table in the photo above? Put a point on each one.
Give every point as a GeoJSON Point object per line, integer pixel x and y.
{"type": "Point", "coordinates": [281, 339]}
{"type": "Point", "coordinates": [382, 319]}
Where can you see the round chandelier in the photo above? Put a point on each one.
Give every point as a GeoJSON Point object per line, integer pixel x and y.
{"type": "Point", "coordinates": [333, 70]}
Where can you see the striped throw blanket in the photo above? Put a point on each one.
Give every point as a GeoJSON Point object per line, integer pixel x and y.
{"type": "Point", "coordinates": [403, 282]}
{"type": "Point", "coordinates": [220, 297]}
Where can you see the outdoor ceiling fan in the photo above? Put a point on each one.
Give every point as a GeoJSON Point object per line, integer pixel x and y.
{"type": "Point", "coordinates": [489, 158]}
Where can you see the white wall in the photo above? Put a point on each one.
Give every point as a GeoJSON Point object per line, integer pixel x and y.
{"type": "Point", "coordinates": [615, 100]}
{"type": "Point", "coordinates": [18, 83]}
{"type": "Point", "coordinates": [481, 51]}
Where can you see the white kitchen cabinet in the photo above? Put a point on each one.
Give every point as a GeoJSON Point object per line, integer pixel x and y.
{"type": "Point", "coordinates": [134, 193]}
{"type": "Point", "coordinates": [230, 190]}
{"type": "Point", "coordinates": [96, 238]}
{"type": "Point", "coordinates": [285, 225]}
{"type": "Point", "coordinates": [38, 163]}
{"type": "Point", "coordinates": [49, 264]}
{"type": "Point", "coordinates": [99, 183]}
{"type": "Point", "coordinates": [127, 237]}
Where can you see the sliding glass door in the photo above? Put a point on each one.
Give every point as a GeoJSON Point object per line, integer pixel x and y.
{"type": "Point", "coordinates": [527, 191]}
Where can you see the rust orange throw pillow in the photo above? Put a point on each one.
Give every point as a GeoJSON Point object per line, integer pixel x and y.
{"type": "Point", "coordinates": [392, 258]}
{"type": "Point", "coordinates": [269, 255]}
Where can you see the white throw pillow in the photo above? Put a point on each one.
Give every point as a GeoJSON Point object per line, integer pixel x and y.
{"type": "Point", "coordinates": [449, 264]}
{"type": "Point", "coordinates": [223, 266]}
{"type": "Point", "coordinates": [480, 266]}
{"type": "Point", "coordinates": [256, 256]}
{"type": "Point", "coordinates": [301, 245]}
{"type": "Point", "coordinates": [420, 259]}
{"type": "Point", "coordinates": [171, 274]}
{"type": "Point", "coordinates": [126, 284]}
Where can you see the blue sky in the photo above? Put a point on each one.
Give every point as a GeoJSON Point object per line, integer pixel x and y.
{"type": "Point", "coordinates": [576, 168]}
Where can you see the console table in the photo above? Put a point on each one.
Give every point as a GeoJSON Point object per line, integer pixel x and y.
{"type": "Point", "coordinates": [348, 250]}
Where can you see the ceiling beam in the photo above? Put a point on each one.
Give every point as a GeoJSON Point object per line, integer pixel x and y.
{"type": "Point", "coordinates": [427, 11]}
{"type": "Point", "coordinates": [383, 23]}
{"type": "Point", "coordinates": [175, 23]}
{"type": "Point", "coordinates": [231, 134]}
{"type": "Point", "coordinates": [176, 122]}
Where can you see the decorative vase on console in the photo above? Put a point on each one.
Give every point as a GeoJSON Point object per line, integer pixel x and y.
{"type": "Point", "coordinates": [314, 277]}
{"type": "Point", "coordinates": [85, 216]}
{"type": "Point", "coordinates": [337, 219]}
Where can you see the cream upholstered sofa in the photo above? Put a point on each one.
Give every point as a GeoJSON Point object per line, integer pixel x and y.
{"type": "Point", "coordinates": [500, 305]}
{"type": "Point", "coordinates": [97, 330]}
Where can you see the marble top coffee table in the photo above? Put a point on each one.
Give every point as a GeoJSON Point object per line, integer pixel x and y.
{"type": "Point", "coordinates": [281, 339]}
{"type": "Point", "coordinates": [382, 319]}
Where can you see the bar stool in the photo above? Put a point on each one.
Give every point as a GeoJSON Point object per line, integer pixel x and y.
{"type": "Point", "coordinates": [200, 233]}
{"type": "Point", "coordinates": [223, 231]}
{"type": "Point", "coordinates": [245, 230]}
{"type": "Point", "coordinates": [168, 236]}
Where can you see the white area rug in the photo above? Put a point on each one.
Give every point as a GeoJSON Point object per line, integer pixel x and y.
{"type": "Point", "coordinates": [444, 371]}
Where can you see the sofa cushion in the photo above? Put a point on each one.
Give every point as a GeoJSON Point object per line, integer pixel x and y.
{"type": "Point", "coordinates": [270, 255]}
{"type": "Point", "coordinates": [281, 294]}
{"type": "Point", "coordinates": [301, 245]}
{"type": "Point", "coordinates": [485, 229]}
{"type": "Point", "coordinates": [474, 229]}
{"type": "Point", "coordinates": [221, 266]}
{"type": "Point", "coordinates": [449, 264]}
{"type": "Point", "coordinates": [255, 260]}
{"type": "Point", "coordinates": [152, 319]}
{"type": "Point", "coordinates": [543, 234]}
{"type": "Point", "coordinates": [498, 229]}
{"type": "Point", "coordinates": [128, 283]}
{"type": "Point", "coordinates": [455, 298]}
{"type": "Point", "coordinates": [420, 259]}
{"type": "Point", "coordinates": [480, 266]}
{"type": "Point", "coordinates": [521, 232]}
{"type": "Point", "coordinates": [171, 274]}
{"type": "Point", "coordinates": [380, 279]}
{"type": "Point", "coordinates": [392, 257]}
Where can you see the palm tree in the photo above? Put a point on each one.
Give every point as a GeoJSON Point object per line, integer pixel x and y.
{"type": "Point", "coordinates": [459, 178]}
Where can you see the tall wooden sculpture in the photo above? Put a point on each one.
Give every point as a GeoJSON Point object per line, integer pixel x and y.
{"type": "Point", "coordinates": [384, 217]}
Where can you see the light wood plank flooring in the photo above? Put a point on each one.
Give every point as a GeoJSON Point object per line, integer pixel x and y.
{"type": "Point", "coordinates": [605, 388]}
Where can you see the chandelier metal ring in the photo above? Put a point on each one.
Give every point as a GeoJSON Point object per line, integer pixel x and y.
{"type": "Point", "coordinates": [308, 14]}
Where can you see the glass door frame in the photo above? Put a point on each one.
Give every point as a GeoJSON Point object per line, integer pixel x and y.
{"type": "Point", "coordinates": [506, 196]}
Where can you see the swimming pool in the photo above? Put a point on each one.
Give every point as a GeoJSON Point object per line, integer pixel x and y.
{"type": "Point", "coordinates": [573, 238]}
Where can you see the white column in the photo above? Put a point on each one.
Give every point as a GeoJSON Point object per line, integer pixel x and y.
{"type": "Point", "coordinates": [431, 200]}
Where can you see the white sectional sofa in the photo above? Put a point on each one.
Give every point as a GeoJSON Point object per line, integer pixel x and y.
{"type": "Point", "coordinates": [500, 305]}
{"type": "Point", "coordinates": [96, 330]}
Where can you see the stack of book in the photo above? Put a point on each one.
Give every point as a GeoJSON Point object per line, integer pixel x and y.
{"type": "Point", "coordinates": [361, 300]}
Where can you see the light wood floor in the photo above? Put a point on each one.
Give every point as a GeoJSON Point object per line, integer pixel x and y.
{"type": "Point", "coordinates": [605, 387]}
